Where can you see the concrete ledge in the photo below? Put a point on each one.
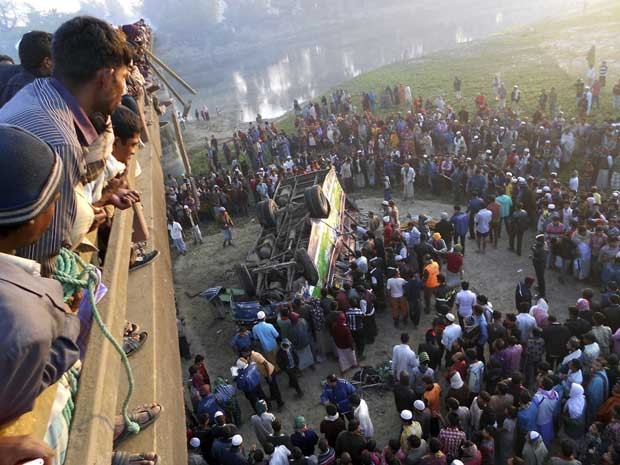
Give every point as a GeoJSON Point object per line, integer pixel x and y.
{"type": "Point", "coordinates": [150, 303]}
{"type": "Point", "coordinates": [90, 439]}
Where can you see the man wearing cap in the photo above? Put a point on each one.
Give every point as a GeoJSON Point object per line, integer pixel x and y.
{"type": "Point", "coordinates": [305, 438]}
{"type": "Point", "coordinates": [194, 454]}
{"type": "Point", "coordinates": [534, 450]}
{"type": "Point", "coordinates": [226, 223]}
{"type": "Point", "coordinates": [422, 415]}
{"type": "Point", "coordinates": [267, 335]}
{"type": "Point", "coordinates": [39, 342]}
{"type": "Point", "coordinates": [451, 333]}
{"type": "Point", "coordinates": [410, 428]}
{"type": "Point", "coordinates": [235, 455]}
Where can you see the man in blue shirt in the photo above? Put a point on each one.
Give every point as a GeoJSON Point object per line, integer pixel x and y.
{"type": "Point", "coordinates": [267, 335]}
{"type": "Point", "coordinates": [337, 391]}
{"type": "Point", "coordinates": [460, 223]}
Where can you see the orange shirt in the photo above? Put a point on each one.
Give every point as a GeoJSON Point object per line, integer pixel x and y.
{"type": "Point", "coordinates": [432, 270]}
{"type": "Point", "coordinates": [433, 400]}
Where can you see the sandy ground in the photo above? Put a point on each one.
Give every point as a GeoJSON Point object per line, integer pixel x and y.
{"type": "Point", "coordinates": [494, 274]}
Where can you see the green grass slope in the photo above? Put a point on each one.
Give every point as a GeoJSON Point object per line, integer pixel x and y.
{"type": "Point", "coordinates": [548, 53]}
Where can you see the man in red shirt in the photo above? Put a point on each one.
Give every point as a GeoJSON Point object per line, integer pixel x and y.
{"type": "Point", "coordinates": [496, 219]}
{"type": "Point", "coordinates": [387, 231]}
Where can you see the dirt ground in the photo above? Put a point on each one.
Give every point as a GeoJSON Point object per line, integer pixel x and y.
{"type": "Point", "coordinates": [494, 274]}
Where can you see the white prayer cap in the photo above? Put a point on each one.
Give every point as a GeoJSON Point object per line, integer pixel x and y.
{"type": "Point", "coordinates": [237, 440]}
{"type": "Point", "coordinates": [406, 415]}
{"type": "Point", "coordinates": [194, 442]}
{"type": "Point", "coordinates": [419, 405]}
{"type": "Point", "coordinates": [261, 315]}
{"type": "Point", "coordinates": [450, 317]}
{"type": "Point", "coordinates": [386, 219]}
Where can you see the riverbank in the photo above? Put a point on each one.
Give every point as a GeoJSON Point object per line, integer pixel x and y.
{"type": "Point", "coordinates": [536, 57]}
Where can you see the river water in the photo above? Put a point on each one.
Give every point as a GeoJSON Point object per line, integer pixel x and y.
{"type": "Point", "coordinates": [297, 60]}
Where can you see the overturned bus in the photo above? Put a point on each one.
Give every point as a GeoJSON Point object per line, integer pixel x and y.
{"type": "Point", "coordinates": [307, 234]}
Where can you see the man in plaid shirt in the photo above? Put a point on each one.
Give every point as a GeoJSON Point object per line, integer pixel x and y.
{"type": "Point", "coordinates": [355, 321]}
{"type": "Point", "coordinates": [451, 437]}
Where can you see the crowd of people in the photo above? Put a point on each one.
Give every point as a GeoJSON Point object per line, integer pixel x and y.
{"type": "Point", "coordinates": [71, 121]}
{"type": "Point", "coordinates": [485, 386]}
{"type": "Point", "coordinates": [512, 386]}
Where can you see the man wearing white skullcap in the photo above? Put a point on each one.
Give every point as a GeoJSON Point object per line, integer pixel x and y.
{"type": "Point", "coordinates": [267, 335]}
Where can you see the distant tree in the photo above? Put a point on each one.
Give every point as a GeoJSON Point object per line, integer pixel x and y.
{"type": "Point", "coordinates": [9, 15]}
{"type": "Point", "coordinates": [184, 19]}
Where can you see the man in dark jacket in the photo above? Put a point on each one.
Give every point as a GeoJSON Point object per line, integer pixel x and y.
{"type": "Point", "coordinates": [519, 223]}
{"type": "Point", "coordinates": [288, 361]}
{"type": "Point", "coordinates": [612, 312]}
{"type": "Point", "coordinates": [556, 336]}
{"type": "Point", "coordinates": [539, 260]}
{"type": "Point", "coordinates": [351, 441]}
{"type": "Point", "coordinates": [575, 324]}
{"type": "Point", "coordinates": [403, 394]}
{"type": "Point", "coordinates": [523, 292]}
{"type": "Point", "coordinates": [445, 228]}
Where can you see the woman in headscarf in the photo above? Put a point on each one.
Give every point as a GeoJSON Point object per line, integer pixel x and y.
{"type": "Point", "coordinates": [547, 400]}
{"type": "Point", "coordinates": [301, 339]}
{"type": "Point", "coordinates": [344, 346]}
{"type": "Point", "coordinates": [439, 246]}
{"type": "Point", "coordinates": [574, 418]}
{"type": "Point", "coordinates": [454, 268]}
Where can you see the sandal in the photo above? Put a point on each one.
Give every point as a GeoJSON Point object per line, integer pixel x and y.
{"type": "Point", "coordinates": [127, 458]}
{"type": "Point", "coordinates": [131, 328]}
{"type": "Point", "coordinates": [136, 415]}
{"type": "Point", "coordinates": [132, 344]}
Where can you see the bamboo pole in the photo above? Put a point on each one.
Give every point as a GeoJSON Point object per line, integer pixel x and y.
{"type": "Point", "coordinates": [168, 85]}
{"type": "Point", "coordinates": [171, 71]}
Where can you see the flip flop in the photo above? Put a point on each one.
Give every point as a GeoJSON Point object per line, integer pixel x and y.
{"type": "Point", "coordinates": [134, 415]}
{"type": "Point", "coordinates": [127, 458]}
{"type": "Point", "coordinates": [131, 345]}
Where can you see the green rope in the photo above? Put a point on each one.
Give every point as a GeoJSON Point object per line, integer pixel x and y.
{"type": "Point", "coordinates": [68, 273]}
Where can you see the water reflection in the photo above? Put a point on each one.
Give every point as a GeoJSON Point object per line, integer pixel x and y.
{"type": "Point", "coordinates": [265, 77]}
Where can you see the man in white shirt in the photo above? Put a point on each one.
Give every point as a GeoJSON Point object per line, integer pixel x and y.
{"type": "Point", "coordinates": [482, 220]}
{"type": "Point", "coordinates": [403, 357]}
{"type": "Point", "coordinates": [176, 234]}
{"type": "Point", "coordinates": [525, 322]}
{"type": "Point", "coordinates": [408, 174]}
{"type": "Point", "coordinates": [450, 334]}
{"type": "Point", "coordinates": [361, 414]}
{"type": "Point", "coordinates": [398, 303]}
{"type": "Point", "coordinates": [465, 301]}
